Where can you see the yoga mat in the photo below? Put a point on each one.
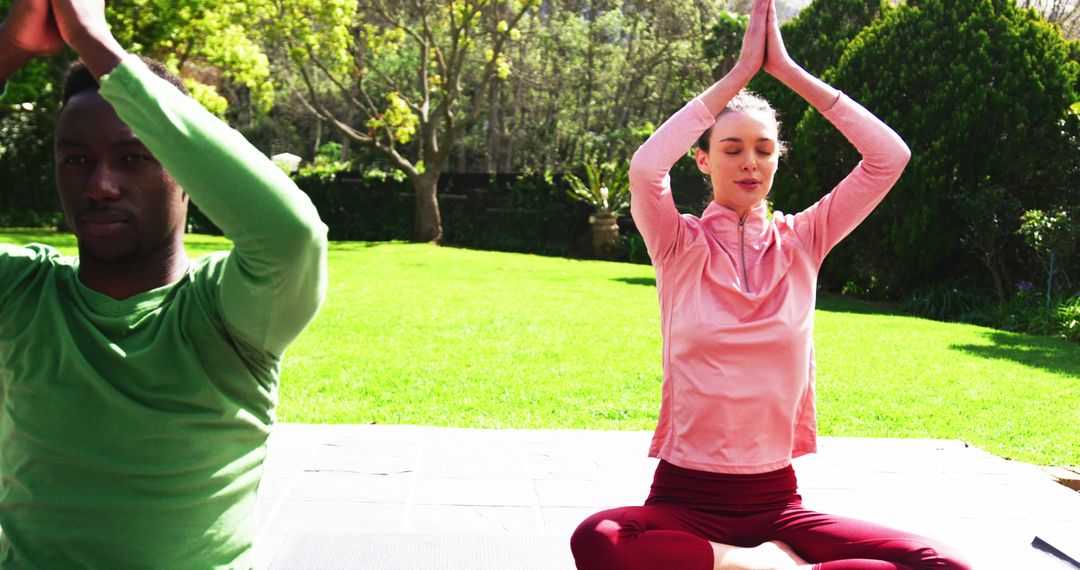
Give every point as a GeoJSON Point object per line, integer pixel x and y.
{"type": "Point", "coordinates": [408, 551]}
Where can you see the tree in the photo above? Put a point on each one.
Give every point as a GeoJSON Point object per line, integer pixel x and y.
{"type": "Point", "coordinates": [1054, 237]}
{"type": "Point", "coordinates": [980, 90]}
{"type": "Point", "coordinates": [591, 77]}
{"type": "Point", "coordinates": [404, 78]}
{"type": "Point", "coordinates": [1064, 13]}
{"type": "Point", "coordinates": [724, 41]}
{"type": "Point", "coordinates": [207, 42]}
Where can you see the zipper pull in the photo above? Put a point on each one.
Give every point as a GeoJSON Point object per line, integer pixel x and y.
{"type": "Point", "coordinates": [742, 253]}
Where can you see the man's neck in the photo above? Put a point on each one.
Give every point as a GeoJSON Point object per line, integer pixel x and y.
{"type": "Point", "coordinates": [123, 279]}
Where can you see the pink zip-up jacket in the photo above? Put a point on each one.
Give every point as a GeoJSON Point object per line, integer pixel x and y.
{"type": "Point", "coordinates": [737, 299]}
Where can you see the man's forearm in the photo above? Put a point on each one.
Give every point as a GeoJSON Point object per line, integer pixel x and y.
{"type": "Point", "coordinates": [101, 54]}
{"type": "Point", "coordinates": [82, 25]}
{"type": "Point", "coordinates": [12, 59]}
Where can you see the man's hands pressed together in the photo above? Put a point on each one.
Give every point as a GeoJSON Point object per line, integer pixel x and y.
{"type": "Point", "coordinates": [82, 25]}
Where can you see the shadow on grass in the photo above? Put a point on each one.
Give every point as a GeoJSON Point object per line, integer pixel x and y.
{"type": "Point", "coordinates": [838, 304]}
{"type": "Point", "coordinates": [650, 281]}
{"type": "Point", "coordinates": [361, 245]}
{"type": "Point", "coordinates": [1051, 354]}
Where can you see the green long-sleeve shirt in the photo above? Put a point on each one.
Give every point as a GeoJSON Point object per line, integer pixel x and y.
{"type": "Point", "coordinates": [133, 432]}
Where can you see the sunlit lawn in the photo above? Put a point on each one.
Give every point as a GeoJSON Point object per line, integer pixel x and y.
{"type": "Point", "coordinates": [440, 336]}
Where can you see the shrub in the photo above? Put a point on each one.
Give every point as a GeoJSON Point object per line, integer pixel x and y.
{"type": "Point", "coordinates": [1054, 237]}
{"type": "Point", "coordinates": [945, 302]}
{"type": "Point", "coordinates": [980, 90]}
{"type": "Point", "coordinates": [636, 251]}
{"type": "Point", "coordinates": [1067, 319]}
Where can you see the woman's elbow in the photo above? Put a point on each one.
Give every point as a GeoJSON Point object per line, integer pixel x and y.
{"type": "Point", "coordinates": [638, 163]}
{"type": "Point", "coordinates": [642, 172]}
{"type": "Point", "coordinates": [896, 160]}
{"type": "Point", "coordinates": [903, 155]}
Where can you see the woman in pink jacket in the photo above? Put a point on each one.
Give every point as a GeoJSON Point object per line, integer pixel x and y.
{"type": "Point", "coordinates": [737, 292]}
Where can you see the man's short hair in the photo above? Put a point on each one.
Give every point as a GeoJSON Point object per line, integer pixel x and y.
{"type": "Point", "coordinates": [79, 78]}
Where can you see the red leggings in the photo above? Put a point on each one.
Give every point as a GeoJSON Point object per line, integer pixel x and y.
{"type": "Point", "coordinates": [687, 509]}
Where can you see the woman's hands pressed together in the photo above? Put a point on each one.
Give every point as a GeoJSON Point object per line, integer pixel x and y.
{"type": "Point", "coordinates": [777, 61]}
{"type": "Point", "coordinates": [753, 53]}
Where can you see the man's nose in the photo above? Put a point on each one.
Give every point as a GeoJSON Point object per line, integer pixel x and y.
{"type": "Point", "coordinates": [102, 184]}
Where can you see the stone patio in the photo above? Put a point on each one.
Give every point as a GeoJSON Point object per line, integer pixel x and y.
{"type": "Point", "coordinates": [404, 497]}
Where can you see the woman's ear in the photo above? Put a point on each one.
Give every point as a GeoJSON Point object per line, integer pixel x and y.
{"type": "Point", "coordinates": [702, 159]}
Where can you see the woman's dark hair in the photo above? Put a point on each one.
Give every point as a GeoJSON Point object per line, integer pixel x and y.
{"type": "Point", "coordinates": [79, 78]}
{"type": "Point", "coordinates": [745, 100]}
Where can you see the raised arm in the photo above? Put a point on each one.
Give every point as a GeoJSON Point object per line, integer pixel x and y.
{"type": "Point", "coordinates": [82, 25]}
{"type": "Point", "coordinates": [884, 154]}
{"type": "Point", "coordinates": [28, 31]}
{"type": "Point", "coordinates": [275, 277]}
{"type": "Point", "coordinates": [651, 202]}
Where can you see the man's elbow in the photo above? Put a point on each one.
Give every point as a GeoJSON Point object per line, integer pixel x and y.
{"type": "Point", "coordinates": [308, 236]}
{"type": "Point", "coordinates": [316, 236]}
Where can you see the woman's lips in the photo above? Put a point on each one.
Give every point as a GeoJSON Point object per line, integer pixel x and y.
{"type": "Point", "coordinates": [748, 184]}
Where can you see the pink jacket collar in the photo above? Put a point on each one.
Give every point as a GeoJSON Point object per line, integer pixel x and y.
{"type": "Point", "coordinates": [723, 222]}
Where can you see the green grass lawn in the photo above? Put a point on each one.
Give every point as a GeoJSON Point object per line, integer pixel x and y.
{"type": "Point", "coordinates": [439, 336]}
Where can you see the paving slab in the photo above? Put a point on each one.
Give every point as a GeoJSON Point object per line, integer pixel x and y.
{"type": "Point", "coordinates": [400, 497]}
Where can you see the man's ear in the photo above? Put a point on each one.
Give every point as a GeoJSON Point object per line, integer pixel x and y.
{"type": "Point", "coordinates": [702, 159]}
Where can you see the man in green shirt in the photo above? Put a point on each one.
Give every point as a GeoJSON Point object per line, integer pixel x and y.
{"type": "Point", "coordinates": [137, 386]}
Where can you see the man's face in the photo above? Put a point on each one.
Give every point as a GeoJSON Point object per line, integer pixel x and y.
{"type": "Point", "coordinates": [116, 196]}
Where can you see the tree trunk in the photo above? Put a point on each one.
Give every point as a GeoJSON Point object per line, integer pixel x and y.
{"type": "Point", "coordinates": [493, 127]}
{"type": "Point", "coordinates": [427, 224]}
{"type": "Point", "coordinates": [996, 275]}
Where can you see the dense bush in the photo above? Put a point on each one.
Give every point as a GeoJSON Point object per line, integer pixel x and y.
{"type": "Point", "coordinates": [979, 89]}
{"type": "Point", "coordinates": [27, 115]}
{"type": "Point", "coordinates": [1027, 311]}
{"type": "Point", "coordinates": [527, 213]}
{"type": "Point", "coordinates": [522, 213]}
{"type": "Point", "coordinates": [954, 301]}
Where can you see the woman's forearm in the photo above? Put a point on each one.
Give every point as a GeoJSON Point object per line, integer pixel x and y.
{"type": "Point", "coordinates": [819, 94]}
{"type": "Point", "coordinates": [722, 92]}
